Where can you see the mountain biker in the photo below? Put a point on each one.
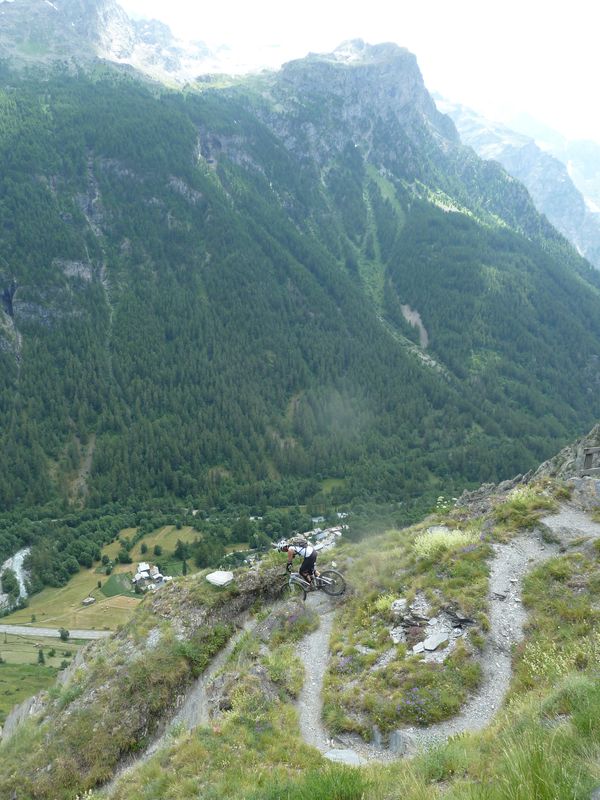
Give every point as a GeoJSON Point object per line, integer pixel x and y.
{"type": "Point", "coordinates": [300, 548]}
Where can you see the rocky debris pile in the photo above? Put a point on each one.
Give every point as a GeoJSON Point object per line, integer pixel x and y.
{"type": "Point", "coordinates": [424, 633]}
{"type": "Point", "coordinates": [481, 501]}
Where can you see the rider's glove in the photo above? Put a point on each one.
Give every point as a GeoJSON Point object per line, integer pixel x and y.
{"type": "Point", "coordinates": [288, 566]}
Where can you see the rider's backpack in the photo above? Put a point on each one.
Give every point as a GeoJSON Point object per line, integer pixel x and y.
{"type": "Point", "coordinates": [298, 541]}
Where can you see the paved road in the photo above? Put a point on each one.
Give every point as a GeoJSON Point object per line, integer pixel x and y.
{"type": "Point", "coordinates": [29, 630]}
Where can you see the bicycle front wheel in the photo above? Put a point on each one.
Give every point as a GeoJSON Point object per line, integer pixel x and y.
{"type": "Point", "coordinates": [332, 583]}
{"type": "Point", "coordinates": [293, 590]}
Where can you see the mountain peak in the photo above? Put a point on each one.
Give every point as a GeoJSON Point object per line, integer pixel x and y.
{"type": "Point", "coordinates": [49, 31]}
{"type": "Point", "coordinates": [355, 51]}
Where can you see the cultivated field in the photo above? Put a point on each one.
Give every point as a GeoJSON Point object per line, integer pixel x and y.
{"type": "Point", "coordinates": [62, 607]}
{"type": "Point", "coordinates": [21, 676]}
{"type": "Point", "coordinates": [115, 601]}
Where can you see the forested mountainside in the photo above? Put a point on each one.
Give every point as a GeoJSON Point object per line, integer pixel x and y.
{"type": "Point", "coordinates": [209, 293]}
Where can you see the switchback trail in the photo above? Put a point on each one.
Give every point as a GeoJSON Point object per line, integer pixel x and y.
{"type": "Point", "coordinates": [510, 564]}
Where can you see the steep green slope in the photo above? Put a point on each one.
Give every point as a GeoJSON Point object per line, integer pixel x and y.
{"type": "Point", "coordinates": [544, 740]}
{"type": "Point", "coordinates": [202, 294]}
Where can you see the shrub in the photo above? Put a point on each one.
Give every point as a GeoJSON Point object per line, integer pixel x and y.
{"type": "Point", "coordinates": [429, 544]}
{"type": "Point", "coordinates": [383, 603]}
{"type": "Point", "coordinates": [285, 669]}
{"type": "Point", "coordinates": [523, 509]}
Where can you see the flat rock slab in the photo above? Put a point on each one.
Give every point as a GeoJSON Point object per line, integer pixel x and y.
{"type": "Point", "coordinates": [433, 642]}
{"type": "Point", "coordinates": [344, 757]}
{"type": "Point", "coordinates": [220, 578]}
{"type": "Point", "coordinates": [438, 529]}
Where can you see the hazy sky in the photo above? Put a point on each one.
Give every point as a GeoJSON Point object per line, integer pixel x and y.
{"type": "Point", "coordinates": [499, 58]}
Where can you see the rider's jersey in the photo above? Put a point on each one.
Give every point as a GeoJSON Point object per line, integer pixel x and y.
{"type": "Point", "coordinates": [303, 550]}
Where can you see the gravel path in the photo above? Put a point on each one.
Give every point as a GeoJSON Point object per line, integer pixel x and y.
{"type": "Point", "coordinates": [511, 563]}
{"type": "Point", "coordinates": [313, 650]}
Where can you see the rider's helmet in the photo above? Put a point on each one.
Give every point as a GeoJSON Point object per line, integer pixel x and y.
{"type": "Point", "coordinates": [282, 546]}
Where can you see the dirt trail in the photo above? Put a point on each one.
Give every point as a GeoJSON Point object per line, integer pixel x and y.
{"type": "Point", "coordinates": [313, 650]}
{"type": "Point", "coordinates": [511, 563]}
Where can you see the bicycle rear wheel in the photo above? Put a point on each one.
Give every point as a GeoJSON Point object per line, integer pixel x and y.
{"type": "Point", "coordinates": [332, 583]}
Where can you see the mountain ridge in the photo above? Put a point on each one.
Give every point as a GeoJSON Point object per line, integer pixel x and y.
{"type": "Point", "coordinates": [548, 179]}
{"type": "Point", "coordinates": [224, 271]}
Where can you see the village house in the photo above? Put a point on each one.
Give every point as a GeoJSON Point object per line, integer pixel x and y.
{"type": "Point", "coordinates": [149, 578]}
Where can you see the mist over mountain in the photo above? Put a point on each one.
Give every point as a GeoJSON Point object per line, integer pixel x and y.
{"type": "Point", "coordinates": [561, 186]}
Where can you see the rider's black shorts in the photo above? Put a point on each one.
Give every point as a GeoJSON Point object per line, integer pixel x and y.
{"type": "Point", "coordinates": [308, 565]}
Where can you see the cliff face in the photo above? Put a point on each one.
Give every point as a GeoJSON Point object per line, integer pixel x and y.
{"type": "Point", "coordinates": [382, 78]}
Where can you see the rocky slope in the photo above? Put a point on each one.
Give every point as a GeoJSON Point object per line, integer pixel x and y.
{"type": "Point", "coordinates": [548, 178]}
{"type": "Point", "coordinates": [131, 707]}
{"type": "Point", "coordinates": [35, 32]}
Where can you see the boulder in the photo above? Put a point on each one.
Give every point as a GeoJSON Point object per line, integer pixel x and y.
{"type": "Point", "coordinates": [220, 578]}
{"type": "Point", "coordinates": [377, 737]}
{"type": "Point", "coordinates": [401, 743]}
{"type": "Point", "coordinates": [433, 642]}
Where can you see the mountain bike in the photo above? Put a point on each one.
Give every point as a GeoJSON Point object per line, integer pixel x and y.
{"type": "Point", "coordinates": [329, 581]}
